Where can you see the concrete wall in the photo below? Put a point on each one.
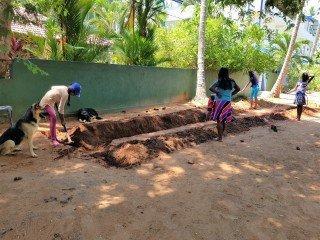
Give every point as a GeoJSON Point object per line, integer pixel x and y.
{"type": "Point", "coordinates": [107, 88]}
{"type": "Point", "coordinates": [241, 79]}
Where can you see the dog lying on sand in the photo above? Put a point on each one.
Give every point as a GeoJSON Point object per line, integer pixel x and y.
{"type": "Point", "coordinates": [87, 115]}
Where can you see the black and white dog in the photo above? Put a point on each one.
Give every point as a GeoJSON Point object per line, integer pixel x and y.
{"type": "Point", "coordinates": [25, 128]}
{"type": "Point", "coordinates": [87, 115]}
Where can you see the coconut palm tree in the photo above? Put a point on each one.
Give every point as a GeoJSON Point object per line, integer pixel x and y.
{"type": "Point", "coordinates": [5, 38]}
{"type": "Point", "coordinates": [200, 90]}
{"type": "Point", "coordinates": [108, 17]}
{"type": "Point", "coordinates": [280, 46]}
{"type": "Point", "coordinates": [315, 43]}
{"type": "Point", "coordinates": [146, 13]}
{"type": "Point", "coordinates": [277, 87]}
{"type": "Point", "coordinates": [72, 17]}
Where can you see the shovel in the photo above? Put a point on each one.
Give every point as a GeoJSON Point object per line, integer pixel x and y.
{"type": "Point", "coordinates": [67, 134]}
{"type": "Point", "coordinates": [70, 142]}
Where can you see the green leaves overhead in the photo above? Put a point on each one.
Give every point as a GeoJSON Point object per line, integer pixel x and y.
{"type": "Point", "coordinates": [287, 7]}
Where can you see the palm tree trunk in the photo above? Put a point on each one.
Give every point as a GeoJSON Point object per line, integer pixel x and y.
{"type": "Point", "coordinates": [261, 12]}
{"type": "Point", "coordinates": [277, 87]}
{"type": "Point", "coordinates": [315, 43]}
{"type": "Point", "coordinates": [5, 36]}
{"type": "Point", "coordinates": [200, 89]}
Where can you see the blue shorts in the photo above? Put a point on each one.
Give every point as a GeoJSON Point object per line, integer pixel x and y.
{"type": "Point", "coordinates": [254, 92]}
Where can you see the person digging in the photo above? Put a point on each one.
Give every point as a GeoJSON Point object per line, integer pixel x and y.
{"type": "Point", "coordinates": [58, 96]}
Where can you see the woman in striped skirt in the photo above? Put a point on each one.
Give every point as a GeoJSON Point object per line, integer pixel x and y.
{"type": "Point", "coordinates": [224, 89]}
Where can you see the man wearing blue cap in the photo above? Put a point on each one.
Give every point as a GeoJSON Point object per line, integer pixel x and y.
{"type": "Point", "coordinates": [58, 96]}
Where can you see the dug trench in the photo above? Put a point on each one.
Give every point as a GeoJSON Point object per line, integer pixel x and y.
{"type": "Point", "coordinates": [130, 142]}
{"type": "Point", "coordinates": [103, 132]}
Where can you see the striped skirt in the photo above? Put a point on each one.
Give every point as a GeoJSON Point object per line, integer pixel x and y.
{"type": "Point", "coordinates": [222, 111]}
{"type": "Point", "coordinates": [210, 106]}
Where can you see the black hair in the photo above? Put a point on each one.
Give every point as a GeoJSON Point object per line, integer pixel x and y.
{"type": "Point", "coordinates": [69, 94]}
{"type": "Point", "coordinates": [224, 81]}
{"type": "Point", "coordinates": [253, 78]}
{"type": "Point", "coordinates": [68, 102]}
{"type": "Point", "coordinates": [305, 77]}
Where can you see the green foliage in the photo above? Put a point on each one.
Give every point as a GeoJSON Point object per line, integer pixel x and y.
{"type": "Point", "coordinates": [235, 47]}
{"type": "Point", "coordinates": [280, 46]}
{"type": "Point", "coordinates": [227, 44]}
{"type": "Point", "coordinates": [68, 34]}
{"type": "Point", "coordinates": [315, 70]}
{"type": "Point", "coordinates": [223, 3]}
{"type": "Point", "coordinates": [49, 47]}
{"type": "Point", "coordinates": [298, 63]}
{"type": "Point", "coordinates": [133, 49]}
{"type": "Point", "coordinates": [312, 69]}
{"type": "Point", "coordinates": [287, 7]}
{"type": "Point", "coordinates": [53, 49]}
{"type": "Point", "coordinates": [72, 22]}
{"type": "Point", "coordinates": [107, 17]}
{"type": "Point", "coordinates": [149, 13]}
{"type": "Point", "coordinates": [312, 11]}
{"type": "Point", "coordinates": [71, 18]}
{"type": "Point", "coordinates": [178, 44]}
{"type": "Point", "coordinates": [34, 68]}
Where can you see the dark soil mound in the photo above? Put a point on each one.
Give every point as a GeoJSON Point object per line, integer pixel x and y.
{"type": "Point", "coordinates": [103, 132]}
{"type": "Point", "coordinates": [135, 152]}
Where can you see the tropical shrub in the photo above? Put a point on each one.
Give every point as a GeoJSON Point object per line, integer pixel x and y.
{"type": "Point", "coordinates": [227, 44]}
{"type": "Point", "coordinates": [133, 49]}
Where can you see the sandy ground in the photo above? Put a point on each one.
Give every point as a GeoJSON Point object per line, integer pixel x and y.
{"type": "Point", "coordinates": [254, 185]}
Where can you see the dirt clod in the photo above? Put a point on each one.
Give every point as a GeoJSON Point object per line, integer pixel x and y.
{"type": "Point", "coordinates": [65, 199]}
{"type": "Point", "coordinates": [50, 199]}
{"type": "Point", "coordinates": [57, 236]}
{"type": "Point", "coordinates": [274, 128]}
{"type": "Point", "coordinates": [17, 179]}
{"type": "Point", "coordinates": [68, 189]}
{"type": "Point", "coordinates": [4, 231]}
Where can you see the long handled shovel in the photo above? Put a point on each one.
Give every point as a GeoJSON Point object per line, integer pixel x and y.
{"type": "Point", "coordinates": [64, 128]}
{"type": "Point", "coordinates": [67, 134]}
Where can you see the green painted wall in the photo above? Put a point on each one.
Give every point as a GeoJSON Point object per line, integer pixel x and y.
{"type": "Point", "coordinates": [241, 79]}
{"type": "Point", "coordinates": [105, 87]}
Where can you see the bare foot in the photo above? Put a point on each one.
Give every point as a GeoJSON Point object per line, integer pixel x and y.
{"type": "Point", "coordinates": [55, 143]}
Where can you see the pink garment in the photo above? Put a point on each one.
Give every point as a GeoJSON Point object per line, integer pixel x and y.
{"type": "Point", "coordinates": [53, 122]}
